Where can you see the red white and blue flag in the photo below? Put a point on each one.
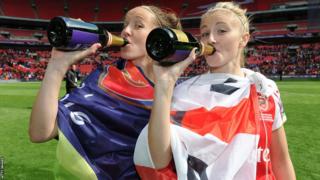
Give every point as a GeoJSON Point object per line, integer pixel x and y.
{"type": "Point", "coordinates": [221, 129]}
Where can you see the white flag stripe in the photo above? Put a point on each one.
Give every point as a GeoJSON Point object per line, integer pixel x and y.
{"type": "Point", "coordinates": [187, 96]}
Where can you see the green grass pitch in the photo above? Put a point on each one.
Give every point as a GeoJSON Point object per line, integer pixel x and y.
{"type": "Point", "coordinates": [25, 160]}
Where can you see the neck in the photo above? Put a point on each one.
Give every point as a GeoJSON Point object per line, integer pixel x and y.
{"type": "Point", "coordinates": [236, 72]}
{"type": "Point", "coordinates": [146, 65]}
{"type": "Point", "coordinates": [233, 67]}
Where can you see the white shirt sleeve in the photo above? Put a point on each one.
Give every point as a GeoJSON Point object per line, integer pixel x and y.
{"type": "Point", "coordinates": [280, 117]}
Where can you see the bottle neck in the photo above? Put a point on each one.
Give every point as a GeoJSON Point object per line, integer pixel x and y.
{"type": "Point", "coordinates": [202, 49]}
{"type": "Point", "coordinates": [113, 40]}
{"type": "Point", "coordinates": [205, 49]}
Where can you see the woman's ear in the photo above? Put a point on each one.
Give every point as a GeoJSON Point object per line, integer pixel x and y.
{"type": "Point", "coordinates": [244, 40]}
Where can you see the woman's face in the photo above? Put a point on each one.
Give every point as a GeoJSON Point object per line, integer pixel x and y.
{"type": "Point", "coordinates": [137, 25]}
{"type": "Point", "coordinates": [223, 29]}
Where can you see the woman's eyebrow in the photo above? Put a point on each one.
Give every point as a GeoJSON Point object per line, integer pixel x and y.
{"type": "Point", "coordinates": [203, 26]}
{"type": "Point", "coordinates": [217, 23]}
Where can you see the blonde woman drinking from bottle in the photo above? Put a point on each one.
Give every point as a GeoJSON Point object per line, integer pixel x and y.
{"type": "Point", "coordinates": [225, 124]}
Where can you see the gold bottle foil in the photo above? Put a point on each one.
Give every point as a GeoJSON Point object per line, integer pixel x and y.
{"type": "Point", "coordinates": [205, 49]}
{"type": "Point", "coordinates": [181, 36]}
{"type": "Point", "coordinates": [114, 40]}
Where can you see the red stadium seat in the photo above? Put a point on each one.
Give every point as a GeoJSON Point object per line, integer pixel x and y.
{"type": "Point", "coordinates": [49, 9]}
{"type": "Point", "coordinates": [111, 10]}
{"type": "Point", "coordinates": [83, 9]}
{"type": "Point", "coordinates": [17, 8]}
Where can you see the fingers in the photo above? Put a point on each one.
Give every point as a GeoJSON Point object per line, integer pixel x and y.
{"type": "Point", "coordinates": [192, 56]}
{"type": "Point", "coordinates": [92, 50]}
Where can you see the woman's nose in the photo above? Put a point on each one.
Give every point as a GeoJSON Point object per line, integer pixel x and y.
{"type": "Point", "coordinates": [126, 31]}
{"type": "Point", "coordinates": [211, 38]}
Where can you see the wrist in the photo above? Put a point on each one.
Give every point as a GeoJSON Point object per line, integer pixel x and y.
{"type": "Point", "coordinates": [58, 69]}
{"type": "Point", "coordinates": [164, 90]}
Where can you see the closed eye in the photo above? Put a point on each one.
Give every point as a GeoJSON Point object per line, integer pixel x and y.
{"type": "Point", "coordinates": [139, 26]}
{"type": "Point", "coordinates": [221, 31]}
{"type": "Point", "coordinates": [205, 35]}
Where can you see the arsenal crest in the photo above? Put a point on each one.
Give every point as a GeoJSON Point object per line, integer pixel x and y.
{"type": "Point", "coordinates": [263, 102]}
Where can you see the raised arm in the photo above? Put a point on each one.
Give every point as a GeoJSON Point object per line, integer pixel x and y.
{"type": "Point", "coordinates": [159, 125]}
{"type": "Point", "coordinates": [43, 125]}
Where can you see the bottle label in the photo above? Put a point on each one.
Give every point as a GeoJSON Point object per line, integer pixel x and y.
{"type": "Point", "coordinates": [179, 55]}
{"type": "Point", "coordinates": [82, 39]}
{"type": "Point", "coordinates": [182, 37]}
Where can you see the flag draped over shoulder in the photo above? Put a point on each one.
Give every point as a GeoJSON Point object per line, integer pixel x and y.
{"type": "Point", "coordinates": [217, 130]}
{"type": "Point", "coordinates": [99, 124]}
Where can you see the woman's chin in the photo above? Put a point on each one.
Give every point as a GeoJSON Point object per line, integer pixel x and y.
{"type": "Point", "coordinates": [127, 56]}
{"type": "Point", "coordinates": [124, 53]}
{"type": "Point", "coordinates": [214, 63]}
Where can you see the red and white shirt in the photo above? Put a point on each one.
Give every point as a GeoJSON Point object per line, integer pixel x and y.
{"type": "Point", "coordinates": [221, 129]}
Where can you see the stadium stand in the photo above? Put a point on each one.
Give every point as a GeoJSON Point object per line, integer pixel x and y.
{"type": "Point", "coordinates": [24, 56]}
{"type": "Point", "coordinates": [80, 8]}
{"type": "Point", "coordinates": [111, 10]}
{"type": "Point", "coordinates": [304, 59]}
{"type": "Point", "coordinates": [49, 9]}
{"type": "Point", "coordinates": [17, 8]}
{"type": "Point", "coordinates": [280, 28]}
{"type": "Point", "coordinates": [291, 59]}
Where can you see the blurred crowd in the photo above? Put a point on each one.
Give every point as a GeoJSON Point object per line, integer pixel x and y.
{"type": "Point", "coordinates": [30, 65]}
{"type": "Point", "coordinates": [22, 64]}
{"type": "Point", "coordinates": [270, 60]}
{"type": "Point", "coordinates": [285, 59]}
